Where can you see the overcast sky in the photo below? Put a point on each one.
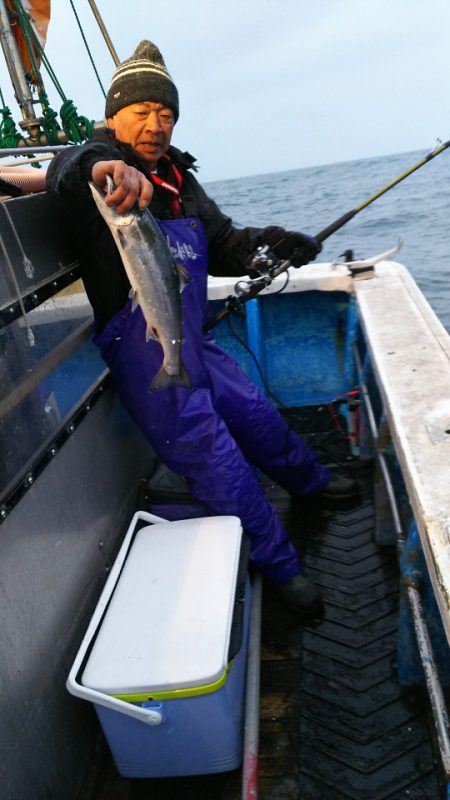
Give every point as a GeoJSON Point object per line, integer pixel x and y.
{"type": "Point", "coordinates": [271, 85]}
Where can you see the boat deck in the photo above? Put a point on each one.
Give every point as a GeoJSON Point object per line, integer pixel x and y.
{"type": "Point", "coordinates": [333, 720]}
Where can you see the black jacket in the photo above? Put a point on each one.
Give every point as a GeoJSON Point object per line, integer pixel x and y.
{"type": "Point", "coordinates": [103, 275]}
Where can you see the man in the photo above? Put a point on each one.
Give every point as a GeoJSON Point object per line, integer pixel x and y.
{"type": "Point", "coordinates": [210, 432]}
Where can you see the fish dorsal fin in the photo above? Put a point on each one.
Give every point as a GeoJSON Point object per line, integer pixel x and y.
{"type": "Point", "coordinates": [132, 295]}
{"type": "Point", "coordinates": [183, 275]}
{"type": "Point", "coordinates": [151, 333]}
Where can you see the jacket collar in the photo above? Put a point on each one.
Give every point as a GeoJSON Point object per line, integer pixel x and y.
{"type": "Point", "coordinates": [184, 161]}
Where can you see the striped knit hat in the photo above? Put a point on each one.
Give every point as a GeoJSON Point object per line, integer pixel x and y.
{"type": "Point", "coordinates": [142, 77]}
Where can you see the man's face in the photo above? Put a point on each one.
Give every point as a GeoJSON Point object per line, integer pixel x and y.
{"type": "Point", "coordinates": [147, 127]}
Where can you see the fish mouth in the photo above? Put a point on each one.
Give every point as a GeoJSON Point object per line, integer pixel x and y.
{"type": "Point", "coordinates": [109, 213]}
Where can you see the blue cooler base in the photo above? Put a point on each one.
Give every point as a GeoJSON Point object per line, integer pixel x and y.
{"type": "Point", "coordinates": [198, 735]}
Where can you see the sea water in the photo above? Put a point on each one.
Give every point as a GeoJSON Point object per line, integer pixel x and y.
{"type": "Point", "coordinates": [311, 199]}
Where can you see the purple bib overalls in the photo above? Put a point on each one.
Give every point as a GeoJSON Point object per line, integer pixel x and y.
{"type": "Point", "coordinates": [209, 433]}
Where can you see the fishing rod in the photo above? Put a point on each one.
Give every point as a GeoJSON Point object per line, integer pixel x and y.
{"type": "Point", "coordinates": [266, 263]}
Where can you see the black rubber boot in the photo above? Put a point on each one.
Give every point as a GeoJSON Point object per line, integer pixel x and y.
{"type": "Point", "coordinates": [302, 596]}
{"type": "Point", "coordinates": [340, 488]}
{"type": "Point", "coordinates": [339, 492]}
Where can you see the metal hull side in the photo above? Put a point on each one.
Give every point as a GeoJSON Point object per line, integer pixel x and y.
{"type": "Point", "coordinates": [57, 545]}
{"type": "Point", "coordinates": [41, 241]}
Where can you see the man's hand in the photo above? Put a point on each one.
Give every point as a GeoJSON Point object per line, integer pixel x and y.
{"type": "Point", "coordinates": [131, 185]}
{"type": "Point", "coordinates": [299, 248]}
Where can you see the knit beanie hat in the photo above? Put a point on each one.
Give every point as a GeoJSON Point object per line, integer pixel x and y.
{"type": "Point", "coordinates": [142, 77]}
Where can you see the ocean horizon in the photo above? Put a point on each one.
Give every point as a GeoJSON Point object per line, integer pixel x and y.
{"type": "Point", "coordinates": [311, 198]}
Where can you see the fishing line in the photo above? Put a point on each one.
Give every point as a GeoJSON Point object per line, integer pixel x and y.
{"type": "Point", "coordinates": [257, 364]}
{"type": "Point", "coordinates": [339, 223]}
{"type": "Point", "coordinates": [256, 286]}
{"type": "Point", "coordinates": [87, 48]}
{"type": "Point", "coordinates": [269, 392]}
{"type": "Point", "coordinates": [30, 333]}
{"type": "Point", "coordinates": [286, 281]}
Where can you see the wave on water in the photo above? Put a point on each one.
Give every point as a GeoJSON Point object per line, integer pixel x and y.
{"type": "Point", "coordinates": [310, 199]}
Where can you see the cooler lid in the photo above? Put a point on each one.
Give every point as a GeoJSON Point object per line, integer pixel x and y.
{"type": "Point", "coordinates": [168, 623]}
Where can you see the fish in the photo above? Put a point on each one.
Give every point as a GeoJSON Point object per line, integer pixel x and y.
{"type": "Point", "coordinates": [156, 282]}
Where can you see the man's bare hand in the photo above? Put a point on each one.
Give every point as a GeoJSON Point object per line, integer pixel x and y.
{"type": "Point", "coordinates": [132, 185]}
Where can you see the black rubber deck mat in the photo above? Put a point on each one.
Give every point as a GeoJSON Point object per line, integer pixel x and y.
{"type": "Point", "coordinates": [361, 734]}
{"type": "Point", "coordinates": [334, 723]}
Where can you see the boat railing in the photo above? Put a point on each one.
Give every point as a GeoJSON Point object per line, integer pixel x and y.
{"type": "Point", "coordinates": [51, 373]}
{"type": "Point", "coordinates": [408, 353]}
{"type": "Point", "coordinates": [71, 464]}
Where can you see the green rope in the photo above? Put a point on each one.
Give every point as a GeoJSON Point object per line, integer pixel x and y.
{"type": "Point", "coordinates": [49, 122]}
{"type": "Point", "coordinates": [87, 48]}
{"type": "Point", "coordinates": [9, 136]}
{"type": "Point", "coordinates": [51, 73]}
{"type": "Point", "coordinates": [30, 39]}
{"type": "Point", "coordinates": [77, 128]}
{"type": "Point", "coordinates": [73, 123]}
{"type": "Point", "coordinates": [34, 46]}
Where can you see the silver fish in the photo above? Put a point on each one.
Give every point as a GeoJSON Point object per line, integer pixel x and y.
{"type": "Point", "coordinates": [156, 282]}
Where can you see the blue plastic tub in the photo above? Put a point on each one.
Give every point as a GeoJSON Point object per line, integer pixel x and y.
{"type": "Point", "coordinates": [165, 663]}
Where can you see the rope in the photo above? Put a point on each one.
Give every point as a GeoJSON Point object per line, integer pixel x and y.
{"type": "Point", "coordinates": [30, 334]}
{"type": "Point", "coordinates": [49, 123]}
{"type": "Point", "coordinates": [31, 42]}
{"type": "Point", "coordinates": [9, 136]}
{"type": "Point", "coordinates": [77, 128]}
{"type": "Point", "coordinates": [34, 48]}
{"type": "Point", "coordinates": [23, 161]}
{"type": "Point", "coordinates": [27, 264]}
{"type": "Point", "coordinates": [52, 74]}
{"type": "Point", "coordinates": [87, 48]}
{"type": "Point", "coordinates": [73, 123]}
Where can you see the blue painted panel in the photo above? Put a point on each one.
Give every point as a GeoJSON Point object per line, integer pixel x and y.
{"type": "Point", "coordinates": [225, 338]}
{"type": "Point", "coordinates": [68, 382]}
{"type": "Point", "coordinates": [302, 343]}
{"type": "Point", "coordinates": [73, 378]}
{"type": "Point", "coordinates": [414, 569]}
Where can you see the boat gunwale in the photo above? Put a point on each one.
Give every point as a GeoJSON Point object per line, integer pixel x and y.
{"type": "Point", "coordinates": [414, 387]}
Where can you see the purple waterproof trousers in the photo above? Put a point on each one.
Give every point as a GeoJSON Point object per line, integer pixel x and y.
{"type": "Point", "coordinates": [208, 433]}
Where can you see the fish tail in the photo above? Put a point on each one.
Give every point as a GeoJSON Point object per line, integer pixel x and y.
{"type": "Point", "coordinates": [162, 379]}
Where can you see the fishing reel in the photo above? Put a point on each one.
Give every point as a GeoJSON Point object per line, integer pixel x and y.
{"type": "Point", "coordinates": [262, 262]}
{"type": "Point", "coordinates": [259, 268]}
{"type": "Point", "coordinates": [262, 267]}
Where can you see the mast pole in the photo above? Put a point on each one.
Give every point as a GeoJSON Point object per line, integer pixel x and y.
{"type": "Point", "coordinates": [105, 33]}
{"type": "Point", "coordinates": [15, 68]}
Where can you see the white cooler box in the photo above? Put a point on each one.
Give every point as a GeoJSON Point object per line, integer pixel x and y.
{"type": "Point", "coordinates": [164, 657]}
